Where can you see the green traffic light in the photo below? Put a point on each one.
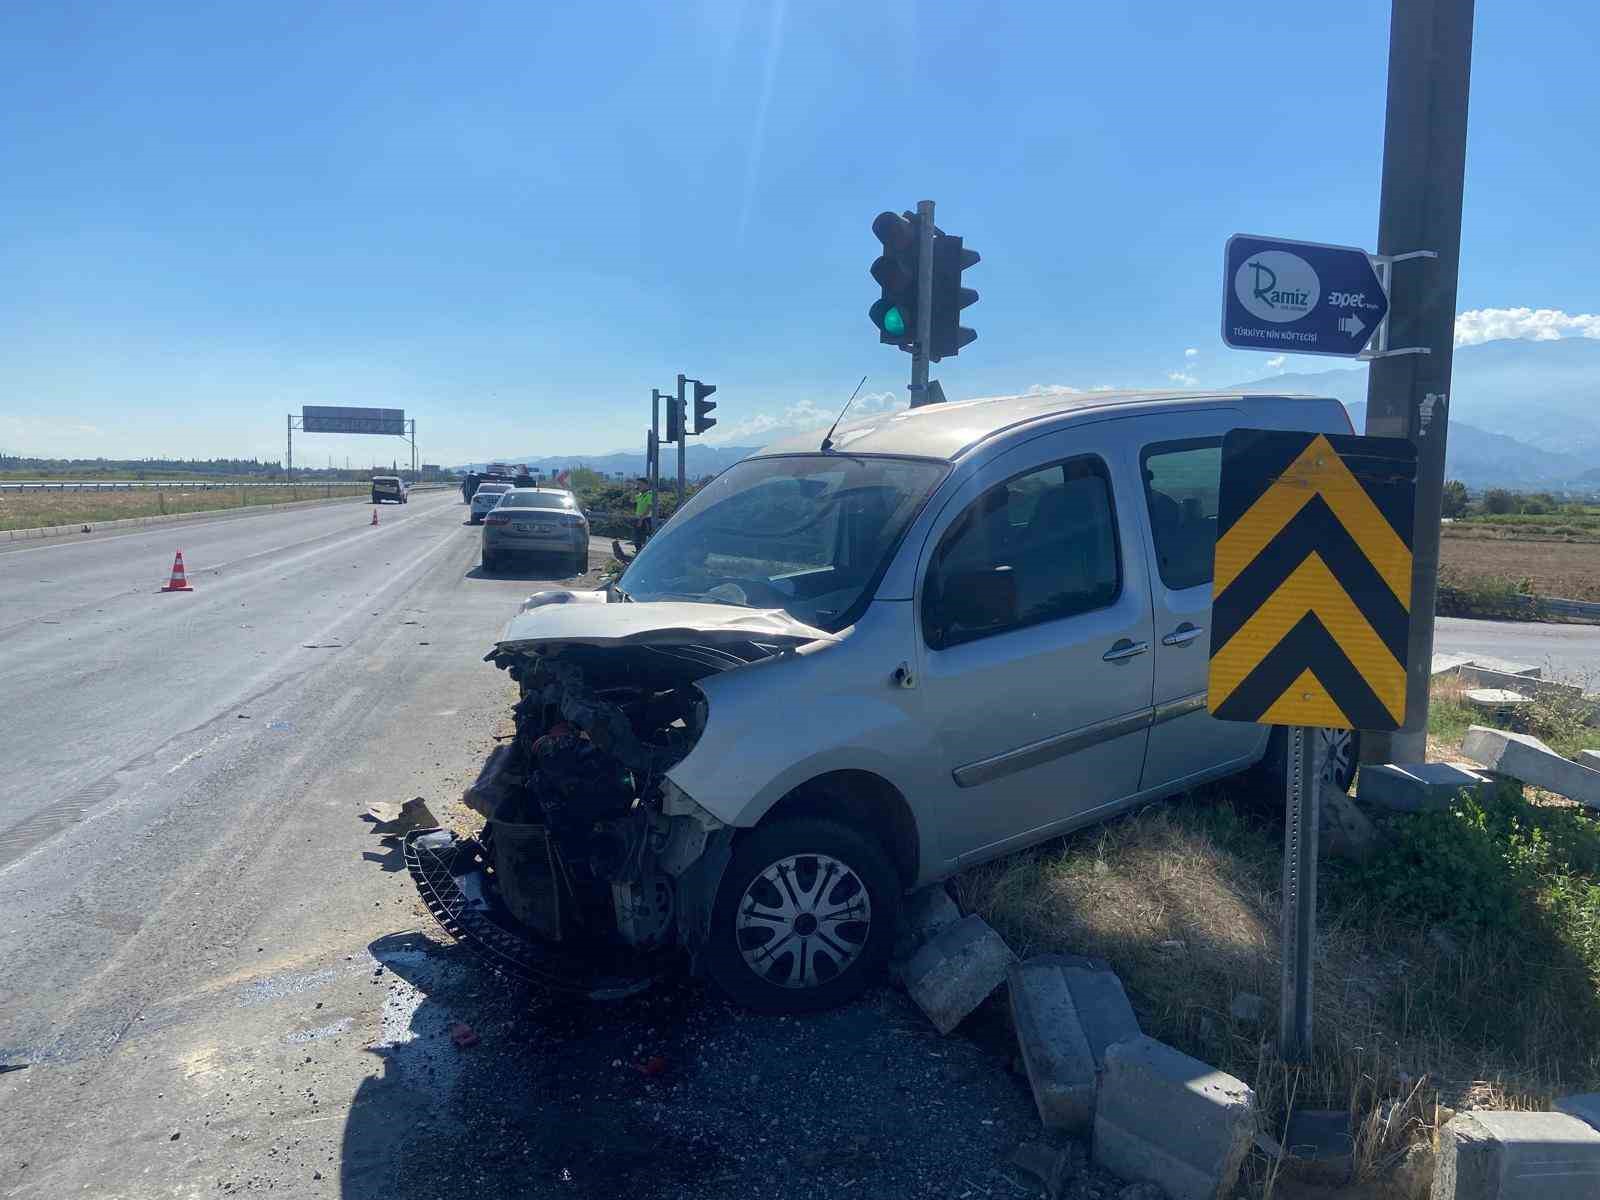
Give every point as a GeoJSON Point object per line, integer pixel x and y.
{"type": "Point", "coordinates": [894, 322]}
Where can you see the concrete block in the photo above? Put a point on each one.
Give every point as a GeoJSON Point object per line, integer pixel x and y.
{"type": "Point", "coordinates": [1172, 1120]}
{"type": "Point", "coordinates": [955, 972]}
{"type": "Point", "coordinates": [1481, 677]}
{"type": "Point", "coordinates": [1346, 831]}
{"type": "Point", "coordinates": [1055, 1050]}
{"type": "Point", "coordinates": [1505, 666]}
{"type": "Point", "coordinates": [1420, 787]}
{"type": "Point", "coordinates": [1585, 1106]}
{"type": "Point", "coordinates": [1103, 1009]}
{"type": "Point", "coordinates": [1444, 663]}
{"type": "Point", "coordinates": [925, 912]}
{"type": "Point", "coordinates": [1523, 756]}
{"type": "Point", "coordinates": [1248, 1008]}
{"type": "Point", "coordinates": [1517, 1156]}
{"type": "Point", "coordinates": [1319, 1146]}
{"type": "Point", "coordinates": [1497, 702]}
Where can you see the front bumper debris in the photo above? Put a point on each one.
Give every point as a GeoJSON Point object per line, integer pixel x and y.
{"type": "Point", "coordinates": [451, 873]}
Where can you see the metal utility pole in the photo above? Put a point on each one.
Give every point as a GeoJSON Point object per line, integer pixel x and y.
{"type": "Point", "coordinates": [919, 353]}
{"type": "Point", "coordinates": [288, 457]}
{"type": "Point", "coordinates": [683, 441]}
{"type": "Point", "coordinates": [655, 458]}
{"type": "Point", "coordinates": [1408, 395]}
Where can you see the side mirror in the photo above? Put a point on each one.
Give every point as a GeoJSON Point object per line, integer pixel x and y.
{"type": "Point", "coordinates": [974, 601]}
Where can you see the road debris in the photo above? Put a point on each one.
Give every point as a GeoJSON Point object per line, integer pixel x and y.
{"type": "Point", "coordinates": [1524, 757]}
{"type": "Point", "coordinates": [955, 972]}
{"type": "Point", "coordinates": [392, 820]}
{"type": "Point", "coordinates": [463, 1035]}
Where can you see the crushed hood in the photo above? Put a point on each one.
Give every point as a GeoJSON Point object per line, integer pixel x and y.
{"type": "Point", "coordinates": [561, 617]}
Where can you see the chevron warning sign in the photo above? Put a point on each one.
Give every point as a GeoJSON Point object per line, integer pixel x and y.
{"type": "Point", "coordinates": [1311, 594]}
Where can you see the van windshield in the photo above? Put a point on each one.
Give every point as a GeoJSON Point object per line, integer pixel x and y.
{"type": "Point", "coordinates": [809, 534]}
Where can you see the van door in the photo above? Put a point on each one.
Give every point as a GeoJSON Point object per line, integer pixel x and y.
{"type": "Point", "coordinates": [1180, 465]}
{"type": "Point", "coordinates": [1036, 667]}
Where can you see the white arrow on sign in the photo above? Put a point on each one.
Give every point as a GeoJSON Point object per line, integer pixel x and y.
{"type": "Point", "coordinates": [1351, 324]}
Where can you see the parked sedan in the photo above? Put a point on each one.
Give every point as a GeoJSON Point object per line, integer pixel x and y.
{"type": "Point", "coordinates": [485, 498]}
{"type": "Point", "coordinates": [536, 521]}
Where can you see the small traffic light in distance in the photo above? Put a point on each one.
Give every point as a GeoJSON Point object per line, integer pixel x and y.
{"type": "Point", "coordinates": [895, 271]}
{"type": "Point", "coordinates": [950, 259]}
{"type": "Point", "coordinates": [702, 406]}
{"type": "Point", "coordinates": [674, 420]}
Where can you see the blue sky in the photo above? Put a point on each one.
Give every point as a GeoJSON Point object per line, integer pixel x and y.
{"type": "Point", "coordinates": [514, 219]}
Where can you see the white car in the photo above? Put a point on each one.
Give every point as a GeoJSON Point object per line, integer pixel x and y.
{"type": "Point", "coordinates": [485, 498]}
{"type": "Point", "coordinates": [838, 674]}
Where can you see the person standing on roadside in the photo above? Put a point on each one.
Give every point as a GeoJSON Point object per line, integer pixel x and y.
{"type": "Point", "coordinates": [643, 499]}
{"type": "Point", "coordinates": [471, 485]}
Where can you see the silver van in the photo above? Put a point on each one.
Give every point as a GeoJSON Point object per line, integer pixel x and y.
{"type": "Point", "coordinates": [840, 674]}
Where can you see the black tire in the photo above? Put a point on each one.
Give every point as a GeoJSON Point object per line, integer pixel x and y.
{"type": "Point", "coordinates": [491, 563]}
{"type": "Point", "coordinates": [1341, 757]}
{"type": "Point", "coordinates": [476, 519]}
{"type": "Point", "coordinates": [580, 562]}
{"type": "Point", "coordinates": [805, 839]}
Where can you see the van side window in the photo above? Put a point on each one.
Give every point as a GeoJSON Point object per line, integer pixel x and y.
{"type": "Point", "coordinates": [1180, 486]}
{"type": "Point", "coordinates": [1039, 547]}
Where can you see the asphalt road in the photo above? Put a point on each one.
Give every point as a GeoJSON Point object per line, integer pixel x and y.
{"type": "Point", "coordinates": [1567, 652]}
{"type": "Point", "coordinates": [217, 981]}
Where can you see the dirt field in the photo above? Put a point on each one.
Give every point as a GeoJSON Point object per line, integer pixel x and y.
{"type": "Point", "coordinates": [1570, 570]}
{"type": "Point", "coordinates": [30, 510]}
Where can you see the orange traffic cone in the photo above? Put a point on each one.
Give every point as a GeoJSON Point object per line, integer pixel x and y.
{"type": "Point", "coordinates": [178, 582]}
{"type": "Point", "coordinates": [374, 515]}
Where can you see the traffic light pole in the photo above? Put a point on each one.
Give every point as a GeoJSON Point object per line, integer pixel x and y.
{"type": "Point", "coordinates": [683, 441]}
{"type": "Point", "coordinates": [919, 353]}
{"type": "Point", "coordinates": [1424, 163]}
{"type": "Point", "coordinates": [655, 459]}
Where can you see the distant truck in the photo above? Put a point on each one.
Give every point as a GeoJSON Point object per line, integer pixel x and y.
{"type": "Point", "coordinates": [388, 487]}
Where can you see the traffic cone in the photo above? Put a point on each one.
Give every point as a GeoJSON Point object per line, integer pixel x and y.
{"type": "Point", "coordinates": [374, 515]}
{"type": "Point", "coordinates": [178, 582]}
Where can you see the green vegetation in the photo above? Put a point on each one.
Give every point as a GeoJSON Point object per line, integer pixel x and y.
{"type": "Point", "coordinates": [37, 509]}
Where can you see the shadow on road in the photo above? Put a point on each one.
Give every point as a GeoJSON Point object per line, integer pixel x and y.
{"type": "Point", "coordinates": [533, 569]}
{"type": "Point", "coordinates": [671, 1094]}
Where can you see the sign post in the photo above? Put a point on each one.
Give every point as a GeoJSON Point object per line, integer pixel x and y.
{"type": "Point", "coordinates": [1299, 297]}
{"type": "Point", "coordinates": [1310, 615]}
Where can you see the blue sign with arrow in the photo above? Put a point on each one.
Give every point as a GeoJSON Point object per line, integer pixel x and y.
{"type": "Point", "coordinates": [1299, 297]}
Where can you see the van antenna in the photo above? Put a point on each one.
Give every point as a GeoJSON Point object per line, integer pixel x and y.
{"type": "Point", "coordinates": [827, 442]}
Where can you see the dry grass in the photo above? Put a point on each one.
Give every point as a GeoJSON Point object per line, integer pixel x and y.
{"type": "Point", "coordinates": [1183, 899]}
{"type": "Point", "coordinates": [35, 509]}
{"type": "Point", "coordinates": [1570, 570]}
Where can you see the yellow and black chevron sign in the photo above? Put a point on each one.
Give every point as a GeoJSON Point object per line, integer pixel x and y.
{"type": "Point", "coordinates": [1311, 597]}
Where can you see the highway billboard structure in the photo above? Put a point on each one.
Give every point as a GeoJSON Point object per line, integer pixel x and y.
{"type": "Point", "coordinates": [324, 418]}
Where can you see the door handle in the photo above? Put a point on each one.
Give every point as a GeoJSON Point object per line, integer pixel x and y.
{"type": "Point", "coordinates": [1124, 648]}
{"type": "Point", "coordinates": [1182, 635]}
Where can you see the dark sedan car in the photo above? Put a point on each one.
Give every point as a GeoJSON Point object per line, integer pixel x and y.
{"type": "Point", "coordinates": [536, 521]}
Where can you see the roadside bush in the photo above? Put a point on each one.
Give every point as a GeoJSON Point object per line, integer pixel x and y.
{"type": "Point", "coordinates": [1484, 596]}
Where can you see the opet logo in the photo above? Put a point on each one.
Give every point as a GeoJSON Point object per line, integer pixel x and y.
{"type": "Point", "coordinates": [1277, 286]}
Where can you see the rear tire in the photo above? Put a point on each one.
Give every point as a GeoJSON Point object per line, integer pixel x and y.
{"type": "Point", "coordinates": [580, 562]}
{"type": "Point", "coordinates": [1339, 752]}
{"type": "Point", "coordinates": [491, 563]}
{"type": "Point", "coordinates": [804, 917]}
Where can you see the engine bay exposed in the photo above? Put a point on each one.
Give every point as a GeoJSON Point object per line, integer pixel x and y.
{"type": "Point", "coordinates": [581, 841]}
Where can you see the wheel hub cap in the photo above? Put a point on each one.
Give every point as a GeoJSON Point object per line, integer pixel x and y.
{"type": "Point", "coordinates": [803, 921]}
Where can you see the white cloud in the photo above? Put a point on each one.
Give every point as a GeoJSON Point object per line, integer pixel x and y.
{"type": "Point", "coordinates": [1535, 324]}
{"type": "Point", "coordinates": [1104, 387]}
{"type": "Point", "coordinates": [1044, 389]}
{"type": "Point", "coordinates": [1191, 352]}
{"type": "Point", "coordinates": [1183, 379]}
{"type": "Point", "coordinates": [803, 417]}
{"type": "Point", "coordinates": [1276, 362]}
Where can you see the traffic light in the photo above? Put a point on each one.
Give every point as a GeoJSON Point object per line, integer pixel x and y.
{"type": "Point", "coordinates": [674, 419]}
{"type": "Point", "coordinates": [950, 258]}
{"type": "Point", "coordinates": [895, 270]}
{"type": "Point", "coordinates": [702, 406]}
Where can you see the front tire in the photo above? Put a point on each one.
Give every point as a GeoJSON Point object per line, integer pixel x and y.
{"type": "Point", "coordinates": [804, 917]}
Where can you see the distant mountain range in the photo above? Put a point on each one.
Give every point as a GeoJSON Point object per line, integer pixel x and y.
{"type": "Point", "coordinates": [699, 460]}
{"type": "Point", "coordinates": [1524, 415]}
